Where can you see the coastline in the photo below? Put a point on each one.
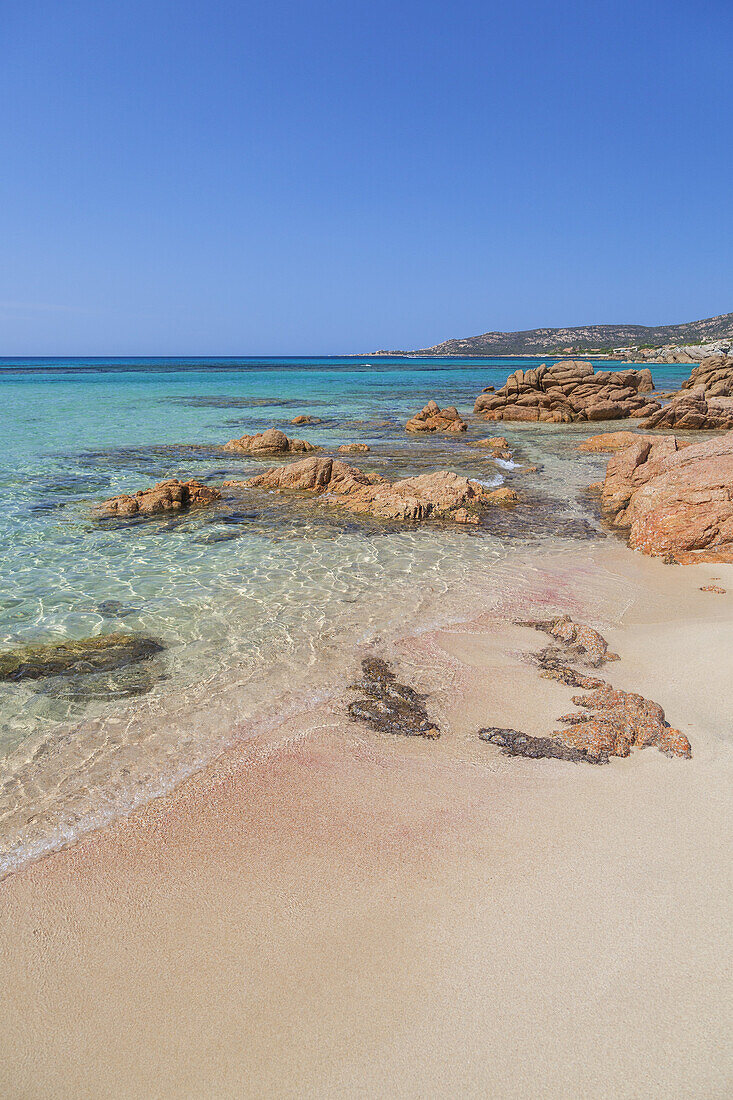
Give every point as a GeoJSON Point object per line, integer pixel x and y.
{"type": "Point", "coordinates": [345, 911]}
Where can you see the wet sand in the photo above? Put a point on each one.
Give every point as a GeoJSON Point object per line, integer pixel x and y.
{"type": "Point", "coordinates": [333, 912]}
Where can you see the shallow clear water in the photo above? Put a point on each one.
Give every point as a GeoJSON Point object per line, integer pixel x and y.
{"type": "Point", "coordinates": [256, 601]}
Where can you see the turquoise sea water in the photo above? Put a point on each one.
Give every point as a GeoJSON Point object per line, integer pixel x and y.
{"type": "Point", "coordinates": [257, 601]}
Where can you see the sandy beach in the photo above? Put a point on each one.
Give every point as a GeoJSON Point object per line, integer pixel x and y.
{"type": "Point", "coordinates": [335, 912]}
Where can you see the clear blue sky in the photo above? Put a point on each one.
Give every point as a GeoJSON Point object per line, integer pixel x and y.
{"type": "Point", "coordinates": [305, 176]}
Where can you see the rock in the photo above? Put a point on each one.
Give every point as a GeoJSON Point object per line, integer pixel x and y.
{"type": "Point", "coordinates": [694, 410]}
{"type": "Point", "coordinates": [713, 588]}
{"type": "Point", "coordinates": [611, 441]}
{"type": "Point", "coordinates": [270, 442]}
{"type": "Point", "coordinates": [428, 496]}
{"type": "Point", "coordinates": [504, 495]}
{"type": "Point", "coordinates": [581, 642]}
{"type": "Point", "coordinates": [166, 496]}
{"type": "Point", "coordinates": [495, 443]}
{"type": "Point", "coordinates": [674, 502]}
{"type": "Point", "coordinates": [568, 391]}
{"type": "Point", "coordinates": [514, 743]}
{"type": "Point", "coordinates": [390, 707]}
{"type": "Point", "coordinates": [104, 653]}
{"type": "Point", "coordinates": [714, 375]}
{"type": "Point", "coordinates": [305, 420]}
{"type": "Point", "coordinates": [621, 720]}
{"type": "Point", "coordinates": [354, 449]}
{"type": "Point", "coordinates": [434, 419]}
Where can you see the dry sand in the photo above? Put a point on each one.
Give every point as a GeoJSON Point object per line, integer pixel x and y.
{"type": "Point", "coordinates": [338, 913]}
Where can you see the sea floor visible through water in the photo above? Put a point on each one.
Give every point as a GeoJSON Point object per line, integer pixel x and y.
{"type": "Point", "coordinates": [262, 604]}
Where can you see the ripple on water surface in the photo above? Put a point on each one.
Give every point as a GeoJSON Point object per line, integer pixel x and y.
{"type": "Point", "coordinates": [258, 601]}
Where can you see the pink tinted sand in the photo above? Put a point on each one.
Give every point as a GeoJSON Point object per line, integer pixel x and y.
{"type": "Point", "coordinates": [335, 912]}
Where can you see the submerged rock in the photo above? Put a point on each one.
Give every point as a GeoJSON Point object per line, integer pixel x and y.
{"type": "Point", "coordinates": [354, 449]}
{"type": "Point", "coordinates": [434, 419]}
{"type": "Point", "coordinates": [427, 496]}
{"type": "Point", "coordinates": [568, 391]}
{"type": "Point", "coordinates": [305, 419]}
{"type": "Point", "coordinates": [102, 653]}
{"type": "Point", "coordinates": [121, 683]}
{"type": "Point", "coordinates": [389, 706]}
{"type": "Point", "coordinates": [612, 441]}
{"type": "Point", "coordinates": [270, 442]}
{"type": "Point", "coordinates": [514, 743]}
{"type": "Point", "coordinates": [166, 496]}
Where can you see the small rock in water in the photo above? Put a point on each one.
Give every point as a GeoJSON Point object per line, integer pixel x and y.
{"type": "Point", "coordinates": [514, 743]}
{"type": "Point", "coordinates": [434, 419]}
{"type": "Point", "coordinates": [166, 496]}
{"type": "Point", "coordinates": [390, 707]}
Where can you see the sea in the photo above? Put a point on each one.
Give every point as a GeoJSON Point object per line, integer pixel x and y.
{"type": "Point", "coordinates": [258, 605]}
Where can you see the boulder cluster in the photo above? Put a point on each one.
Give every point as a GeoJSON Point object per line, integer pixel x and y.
{"type": "Point", "coordinates": [715, 375]}
{"type": "Point", "coordinates": [694, 410]}
{"type": "Point", "coordinates": [270, 442]}
{"type": "Point", "coordinates": [166, 496]}
{"type": "Point", "coordinates": [568, 391]}
{"type": "Point", "coordinates": [434, 419]}
{"type": "Point", "coordinates": [442, 494]}
{"type": "Point", "coordinates": [674, 500]}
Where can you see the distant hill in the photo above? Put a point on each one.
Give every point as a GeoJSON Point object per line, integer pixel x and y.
{"type": "Point", "coordinates": [545, 341]}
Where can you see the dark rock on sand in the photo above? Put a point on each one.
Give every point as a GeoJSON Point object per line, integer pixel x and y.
{"type": "Point", "coordinates": [390, 707]}
{"type": "Point", "coordinates": [103, 653]}
{"type": "Point", "coordinates": [514, 743]}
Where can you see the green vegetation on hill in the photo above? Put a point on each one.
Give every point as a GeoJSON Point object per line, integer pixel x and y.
{"type": "Point", "coordinates": [541, 341]}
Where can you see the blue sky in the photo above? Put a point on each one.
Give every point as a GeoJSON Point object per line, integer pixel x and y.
{"type": "Point", "coordinates": [324, 177]}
